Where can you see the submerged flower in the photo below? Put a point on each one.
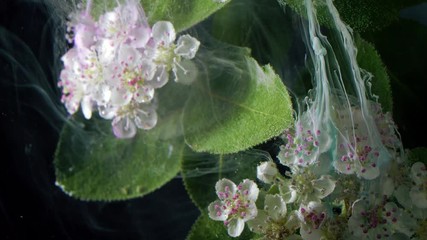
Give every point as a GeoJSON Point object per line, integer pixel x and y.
{"type": "Point", "coordinates": [274, 221]}
{"type": "Point", "coordinates": [236, 204]}
{"type": "Point", "coordinates": [117, 63]}
{"type": "Point", "coordinates": [380, 221]}
{"type": "Point", "coordinates": [311, 216]}
{"type": "Point", "coordinates": [418, 193]}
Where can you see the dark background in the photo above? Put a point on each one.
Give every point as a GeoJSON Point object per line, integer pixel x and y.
{"type": "Point", "coordinates": [31, 116]}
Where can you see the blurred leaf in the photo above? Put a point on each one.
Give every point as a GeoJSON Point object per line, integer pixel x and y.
{"type": "Point", "coordinates": [91, 164]}
{"type": "Point", "coordinates": [235, 104]}
{"type": "Point", "coordinates": [182, 13]}
{"type": "Point", "coordinates": [369, 59]}
{"type": "Point", "coordinates": [207, 229]}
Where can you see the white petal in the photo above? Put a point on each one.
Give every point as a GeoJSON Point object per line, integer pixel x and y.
{"type": "Point", "coordinates": [129, 56]}
{"type": "Point", "coordinates": [224, 187]}
{"type": "Point", "coordinates": [388, 187]}
{"type": "Point", "coordinates": [187, 46]}
{"type": "Point", "coordinates": [84, 35]}
{"type": "Point", "coordinates": [139, 36]}
{"type": "Point", "coordinates": [401, 194]}
{"type": "Point", "coordinates": [325, 185]}
{"type": "Point", "coordinates": [267, 171]}
{"type": "Point", "coordinates": [310, 233]}
{"type": "Point", "coordinates": [160, 77]}
{"type": "Point", "coordinates": [259, 223]}
{"type": "Point", "coordinates": [235, 227]}
{"type": "Point", "coordinates": [216, 211]}
{"type": "Point", "coordinates": [120, 97]}
{"type": "Point", "coordinates": [107, 49]}
{"type": "Point", "coordinates": [107, 111]}
{"type": "Point", "coordinates": [187, 73]}
{"type": "Point", "coordinates": [419, 173]}
{"type": "Point", "coordinates": [419, 198]}
{"type": "Point", "coordinates": [250, 189]}
{"type": "Point", "coordinates": [163, 33]}
{"type": "Point", "coordinates": [86, 107]}
{"type": "Point", "coordinates": [146, 118]}
{"type": "Point", "coordinates": [369, 172]}
{"type": "Point", "coordinates": [123, 127]}
{"type": "Point", "coordinates": [276, 206]}
{"type": "Point", "coordinates": [144, 94]}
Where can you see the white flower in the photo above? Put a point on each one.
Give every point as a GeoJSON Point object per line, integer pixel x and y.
{"type": "Point", "coordinates": [132, 116]}
{"type": "Point", "coordinates": [312, 217]}
{"type": "Point", "coordinates": [306, 186]}
{"type": "Point", "coordinates": [418, 192]}
{"type": "Point", "coordinates": [167, 54]}
{"type": "Point", "coordinates": [274, 220]}
{"type": "Point", "coordinates": [267, 172]}
{"type": "Point", "coordinates": [236, 204]}
{"type": "Point", "coordinates": [379, 221]}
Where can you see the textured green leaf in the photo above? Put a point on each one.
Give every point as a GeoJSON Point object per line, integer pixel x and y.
{"type": "Point", "coordinates": [235, 104]}
{"type": "Point", "coordinates": [91, 164]}
{"type": "Point", "coordinates": [361, 15]}
{"type": "Point", "coordinates": [369, 59]}
{"type": "Point", "coordinates": [207, 229]}
{"type": "Point", "coordinates": [182, 13]}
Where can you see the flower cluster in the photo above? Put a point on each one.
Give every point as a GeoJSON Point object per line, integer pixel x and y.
{"type": "Point", "coordinates": [116, 64]}
{"type": "Point", "coordinates": [352, 198]}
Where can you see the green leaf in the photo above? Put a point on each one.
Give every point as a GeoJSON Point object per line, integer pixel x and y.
{"type": "Point", "coordinates": [417, 155]}
{"type": "Point", "coordinates": [369, 59]}
{"type": "Point", "coordinates": [361, 15]}
{"type": "Point", "coordinates": [91, 164]}
{"type": "Point", "coordinates": [182, 13]}
{"type": "Point", "coordinates": [207, 229]}
{"type": "Point", "coordinates": [235, 104]}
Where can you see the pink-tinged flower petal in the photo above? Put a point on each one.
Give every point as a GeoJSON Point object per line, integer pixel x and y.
{"type": "Point", "coordinates": [69, 57]}
{"type": "Point", "coordinates": [235, 227]}
{"type": "Point", "coordinates": [145, 118]}
{"type": "Point", "coordinates": [109, 24]}
{"type": "Point", "coordinates": [107, 49]}
{"type": "Point", "coordinates": [187, 46]}
{"type": "Point", "coordinates": [139, 37]}
{"type": "Point", "coordinates": [217, 211]}
{"type": "Point", "coordinates": [84, 34]}
{"type": "Point", "coordinates": [163, 33]}
{"type": "Point", "coordinates": [123, 127]}
{"type": "Point", "coordinates": [225, 188]}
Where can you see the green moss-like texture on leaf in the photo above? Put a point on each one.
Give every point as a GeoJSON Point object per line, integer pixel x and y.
{"type": "Point", "coordinates": [417, 155]}
{"type": "Point", "coordinates": [207, 229]}
{"type": "Point", "coordinates": [361, 15]}
{"type": "Point", "coordinates": [236, 105]}
{"type": "Point", "coordinates": [182, 13]}
{"type": "Point", "coordinates": [369, 59]}
{"type": "Point", "coordinates": [91, 164]}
